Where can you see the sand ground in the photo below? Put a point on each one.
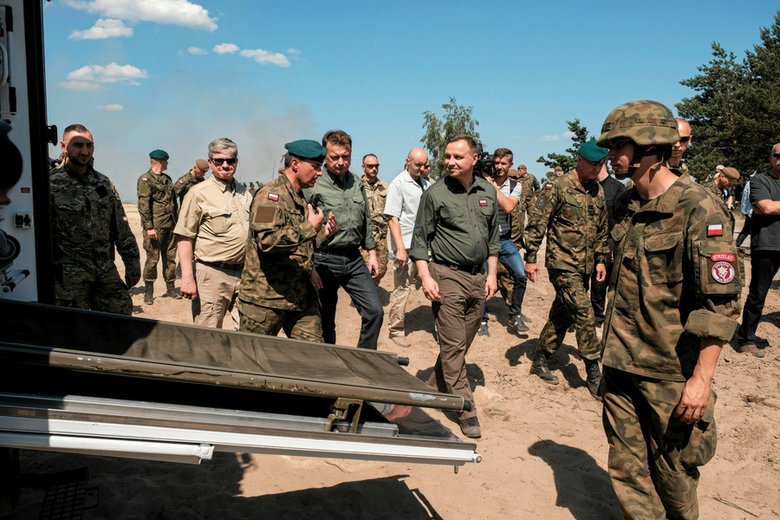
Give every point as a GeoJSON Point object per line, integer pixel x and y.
{"type": "Point", "coordinates": [544, 451]}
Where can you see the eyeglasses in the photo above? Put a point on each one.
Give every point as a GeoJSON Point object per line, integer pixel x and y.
{"type": "Point", "coordinates": [685, 138]}
{"type": "Point", "coordinates": [219, 161]}
{"type": "Point", "coordinates": [776, 155]}
{"type": "Point", "coordinates": [372, 165]}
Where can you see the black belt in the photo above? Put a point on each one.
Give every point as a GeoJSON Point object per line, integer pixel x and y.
{"type": "Point", "coordinates": [222, 265]}
{"type": "Point", "coordinates": [349, 252]}
{"type": "Point", "coordinates": [471, 269]}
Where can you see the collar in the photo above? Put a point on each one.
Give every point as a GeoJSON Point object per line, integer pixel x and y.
{"type": "Point", "coordinates": [664, 204]}
{"type": "Point", "coordinates": [224, 185]}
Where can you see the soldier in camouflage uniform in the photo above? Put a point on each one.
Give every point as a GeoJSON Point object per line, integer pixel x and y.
{"type": "Point", "coordinates": [723, 179]}
{"type": "Point", "coordinates": [196, 175]}
{"type": "Point", "coordinates": [573, 212]}
{"type": "Point", "coordinates": [276, 286]}
{"type": "Point", "coordinates": [158, 208]}
{"type": "Point", "coordinates": [376, 195]}
{"type": "Point", "coordinates": [674, 300]}
{"type": "Point", "coordinates": [88, 222]}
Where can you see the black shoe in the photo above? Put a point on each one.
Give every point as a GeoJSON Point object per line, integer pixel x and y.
{"type": "Point", "coordinates": [761, 342]}
{"type": "Point", "coordinates": [516, 324]}
{"type": "Point", "coordinates": [593, 378]}
{"type": "Point", "coordinates": [172, 291]}
{"type": "Point", "coordinates": [149, 293]}
{"type": "Point", "coordinates": [571, 329]}
{"type": "Point", "coordinates": [470, 428]}
{"type": "Point", "coordinates": [484, 330]}
{"type": "Point", "coordinates": [540, 368]}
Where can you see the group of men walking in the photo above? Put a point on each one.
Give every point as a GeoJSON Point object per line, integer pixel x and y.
{"type": "Point", "coordinates": [279, 259]}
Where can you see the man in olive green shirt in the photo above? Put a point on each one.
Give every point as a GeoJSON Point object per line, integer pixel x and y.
{"type": "Point", "coordinates": [457, 223]}
{"type": "Point", "coordinates": [337, 262]}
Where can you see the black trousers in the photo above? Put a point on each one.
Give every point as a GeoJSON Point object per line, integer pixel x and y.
{"type": "Point", "coordinates": [763, 268]}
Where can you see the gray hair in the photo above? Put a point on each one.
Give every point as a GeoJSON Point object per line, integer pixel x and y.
{"type": "Point", "coordinates": [223, 145]}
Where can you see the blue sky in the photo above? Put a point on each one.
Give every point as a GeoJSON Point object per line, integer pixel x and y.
{"type": "Point", "coordinates": [174, 74]}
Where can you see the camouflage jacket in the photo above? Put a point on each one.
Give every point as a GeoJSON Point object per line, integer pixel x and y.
{"type": "Point", "coordinates": [278, 264]}
{"type": "Point", "coordinates": [88, 221]}
{"type": "Point", "coordinates": [574, 217]}
{"type": "Point", "coordinates": [530, 187]}
{"type": "Point", "coordinates": [376, 194]}
{"type": "Point", "coordinates": [677, 278]}
{"type": "Point", "coordinates": [156, 201]}
{"type": "Point", "coordinates": [184, 183]}
{"type": "Point", "coordinates": [716, 192]}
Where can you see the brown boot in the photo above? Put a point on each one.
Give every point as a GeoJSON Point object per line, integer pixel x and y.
{"type": "Point", "coordinates": [594, 377]}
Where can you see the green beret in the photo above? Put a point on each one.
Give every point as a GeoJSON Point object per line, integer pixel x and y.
{"type": "Point", "coordinates": [306, 149]}
{"type": "Point", "coordinates": [590, 151]}
{"type": "Point", "coordinates": [160, 155]}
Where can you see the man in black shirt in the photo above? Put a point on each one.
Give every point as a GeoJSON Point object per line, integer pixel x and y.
{"type": "Point", "coordinates": [764, 252]}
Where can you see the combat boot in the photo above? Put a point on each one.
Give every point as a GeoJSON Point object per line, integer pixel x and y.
{"type": "Point", "coordinates": [149, 293]}
{"type": "Point", "coordinates": [594, 378]}
{"type": "Point", "coordinates": [540, 368]}
{"type": "Point", "coordinates": [172, 291]}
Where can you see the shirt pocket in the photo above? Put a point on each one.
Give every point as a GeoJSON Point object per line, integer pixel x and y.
{"type": "Point", "coordinates": [719, 267]}
{"type": "Point", "coordinates": [571, 208]}
{"type": "Point", "coordinates": [220, 222]}
{"type": "Point", "coordinates": [452, 215]}
{"type": "Point", "coordinates": [664, 256]}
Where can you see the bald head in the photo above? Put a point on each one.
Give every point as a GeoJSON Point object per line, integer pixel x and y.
{"type": "Point", "coordinates": [415, 162]}
{"type": "Point", "coordinates": [774, 160]}
{"type": "Point", "coordinates": [678, 149]}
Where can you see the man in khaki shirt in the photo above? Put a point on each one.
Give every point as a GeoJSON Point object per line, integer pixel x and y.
{"type": "Point", "coordinates": [212, 230]}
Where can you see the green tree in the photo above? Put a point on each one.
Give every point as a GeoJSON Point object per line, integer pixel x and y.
{"type": "Point", "coordinates": [716, 113]}
{"type": "Point", "coordinates": [735, 113]}
{"type": "Point", "coordinates": [579, 134]}
{"type": "Point", "coordinates": [457, 119]}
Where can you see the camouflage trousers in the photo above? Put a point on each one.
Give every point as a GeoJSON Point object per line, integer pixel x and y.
{"type": "Point", "coordinates": [304, 325]}
{"type": "Point", "coordinates": [97, 289]}
{"type": "Point", "coordinates": [571, 307]}
{"type": "Point", "coordinates": [381, 256]}
{"type": "Point", "coordinates": [165, 245]}
{"type": "Point", "coordinates": [654, 458]}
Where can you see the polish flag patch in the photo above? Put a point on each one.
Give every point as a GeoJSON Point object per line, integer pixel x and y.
{"type": "Point", "coordinates": [715, 230]}
{"type": "Point", "coordinates": [273, 197]}
{"type": "Point", "coordinates": [483, 203]}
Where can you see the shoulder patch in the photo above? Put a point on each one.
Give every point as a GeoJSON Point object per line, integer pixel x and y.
{"type": "Point", "coordinates": [264, 214]}
{"type": "Point", "coordinates": [723, 272]}
{"type": "Point", "coordinates": [273, 197]}
{"type": "Point", "coordinates": [483, 203]}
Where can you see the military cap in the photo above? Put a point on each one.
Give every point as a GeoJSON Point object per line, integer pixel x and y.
{"type": "Point", "coordinates": [159, 155]}
{"type": "Point", "coordinates": [306, 149]}
{"type": "Point", "coordinates": [730, 173]}
{"type": "Point", "coordinates": [590, 151]}
{"type": "Point", "coordinates": [202, 165]}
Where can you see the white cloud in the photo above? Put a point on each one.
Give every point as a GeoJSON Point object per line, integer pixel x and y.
{"type": "Point", "coordinates": [197, 51]}
{"type": "Point", "coordinates": [551, 138]}
{"type": "Point", "coordinates": [91, 77]}
{"type": "Point", "coordinates": [104, 28]}
{"type": "Point", "coordinates": [293, 52]}
{"type": "Point", "coordinates": [226, 48]}
{"type": "Point", "coordinates": [175, 12]}
{"type": "Point", "coordinates": [111, 107]}
{"type": "Point", "coordinates": [266, 57]}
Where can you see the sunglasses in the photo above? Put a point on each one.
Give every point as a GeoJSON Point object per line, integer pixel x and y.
{"type": "Point", "coordinates": [372, 165]}
{"type": "Point", "coordinates": [685, 139]}
{"type": "Point", "coordinates": [220, 161]}
{"type": "Point", "coordinates": [776, 155]}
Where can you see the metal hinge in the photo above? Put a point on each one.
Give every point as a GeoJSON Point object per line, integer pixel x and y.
{"type": "Point", "coordinates": [341, 412]}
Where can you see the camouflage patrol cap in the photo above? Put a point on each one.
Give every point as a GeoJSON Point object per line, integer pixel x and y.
{"type": "Point", "coordinates": [159, 155]}
{"type": "Point", "coordinates": [644, 121]}
{"type": "Point", "coordinates": [306, 149]}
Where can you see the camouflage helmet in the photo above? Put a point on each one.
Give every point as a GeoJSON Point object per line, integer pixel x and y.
{"type": "Point", "coordinates": [644, 121]}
